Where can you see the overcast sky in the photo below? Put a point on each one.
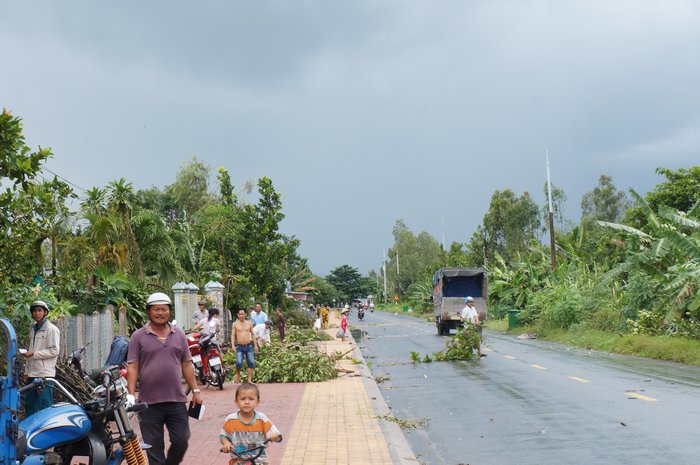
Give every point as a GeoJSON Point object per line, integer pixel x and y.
{"type": "Point", "coordinates": [361, 112]}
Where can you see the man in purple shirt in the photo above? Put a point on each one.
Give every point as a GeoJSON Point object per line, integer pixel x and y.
{"type": "Point", "coordinates": [160, 357]}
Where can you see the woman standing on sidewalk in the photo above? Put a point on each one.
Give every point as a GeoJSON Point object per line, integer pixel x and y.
{"type": "Point", "coordinates": [344, 323]}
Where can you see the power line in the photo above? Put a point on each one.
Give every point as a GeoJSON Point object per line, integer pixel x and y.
{"type": "Point", "coordinates": [66, 180]}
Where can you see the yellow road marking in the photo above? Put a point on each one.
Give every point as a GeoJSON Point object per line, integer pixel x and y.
{"type": "Point", "coordinates": [580, 380]}
{"type": "Point", "coordinates": [539, 367]}
{"type": "Point", "coordinates": [640, 396]}
{"type": "Point", "coordinates": [509, 357]}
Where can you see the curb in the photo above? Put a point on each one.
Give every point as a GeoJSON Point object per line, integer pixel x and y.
{"type": "Point", "coordinates": [399, 449]}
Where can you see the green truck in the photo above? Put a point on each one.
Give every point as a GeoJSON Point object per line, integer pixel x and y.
{"type": "Point", "coordinates": [450, 287]}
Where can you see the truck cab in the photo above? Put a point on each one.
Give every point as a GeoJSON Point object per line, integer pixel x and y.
{"type": "Point", "coordinates": [450, 287]}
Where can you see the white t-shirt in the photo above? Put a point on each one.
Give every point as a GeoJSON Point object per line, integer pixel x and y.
{"type": "Point", "coordinates": [210, 326]}
{"type": "Point", "coordinates": [262, 332]}
{"type": "Point", "coordinates": [470, 314]}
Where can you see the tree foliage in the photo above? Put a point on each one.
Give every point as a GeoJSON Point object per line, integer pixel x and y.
{"type": "Point", "coordinates": [349, 283]}
{"type": "Point", "coordinates": [122, 242]}
{"type": "Point", "coordinates": [508, 229]}
{"type": "Point", "coordinates": [409, 256]}
{"type": "Point", "coordinates": [604, 203]}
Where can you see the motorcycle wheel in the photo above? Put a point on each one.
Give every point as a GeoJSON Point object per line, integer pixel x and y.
{"type": "Point", "coordinates": [200, 375]}
{"type": "Point", "coordinates": [219, 376]}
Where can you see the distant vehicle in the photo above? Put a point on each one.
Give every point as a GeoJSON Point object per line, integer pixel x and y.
{"type": "Point", "coordinates": [450, 287]}
{"type": "Point", "coordinates": [364, 302]}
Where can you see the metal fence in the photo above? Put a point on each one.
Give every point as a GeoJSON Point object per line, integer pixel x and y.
{"type": "Point", "coordinates": [95, 330]}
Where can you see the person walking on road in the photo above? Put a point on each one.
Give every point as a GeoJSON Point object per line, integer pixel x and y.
{"type": "Point", "coordinates": [160, 358]}
{"type": "Point", "coordinates": [471, 316]}
{"type": "Point", "coordinates": [243, 339]}
{"type": "Point", "coordinates": [281, 323]}
{"type": "Point", "coordinates": [44, 340]}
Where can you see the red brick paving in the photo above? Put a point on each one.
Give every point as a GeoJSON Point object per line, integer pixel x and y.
{"type": "Point", "coordinates": [280, 402]}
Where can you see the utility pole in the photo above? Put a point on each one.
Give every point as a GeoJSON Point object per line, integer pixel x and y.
{"type": "Point", "coordinates": [444, 249]}
{"type": "Point", "coordinates": [398, 274]}
{"type": "Point", "coordinates": [384, 268]}
{"type": "Point", "coordinates": [552, 245]}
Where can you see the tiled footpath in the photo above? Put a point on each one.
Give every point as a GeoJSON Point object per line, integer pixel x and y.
{"type": "Point", "coordinates": [331, 423]}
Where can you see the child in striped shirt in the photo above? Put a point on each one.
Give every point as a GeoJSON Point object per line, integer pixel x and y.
{"type": "Point", "coordinates": [247, 428]}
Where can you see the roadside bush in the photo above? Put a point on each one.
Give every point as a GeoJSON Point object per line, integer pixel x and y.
{"type": "Point", "coordinates": [647, 323]}
{"type": "Point", "coordinates": [685, 328]}
{"type": "Point", "coordinates": [561, 305]}
{"type": "Point", "coordinates": [608, 319]}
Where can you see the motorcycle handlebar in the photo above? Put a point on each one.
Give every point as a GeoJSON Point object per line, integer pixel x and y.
{"type": "Point", "coordinates": [33, 385]}
{"type": "Point", "coordinates": [140, 407]}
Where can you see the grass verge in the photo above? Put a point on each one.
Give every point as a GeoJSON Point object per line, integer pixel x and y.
{"type": "Point", "coordinates": [674, 349]}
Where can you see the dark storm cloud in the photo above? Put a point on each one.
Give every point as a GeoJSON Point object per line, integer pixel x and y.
{"type": "Point", "coordinates": [361, 112]}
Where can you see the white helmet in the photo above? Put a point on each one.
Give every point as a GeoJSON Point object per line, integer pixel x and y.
{"type": "Point", "coordinates": [158, 298]}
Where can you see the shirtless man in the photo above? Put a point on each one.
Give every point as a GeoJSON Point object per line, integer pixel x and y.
{"type": "Point", "coordinates": [243, 339]}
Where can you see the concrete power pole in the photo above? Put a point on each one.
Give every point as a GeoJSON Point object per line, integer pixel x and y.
{"type": "Point", "coordinates": [552, 244]}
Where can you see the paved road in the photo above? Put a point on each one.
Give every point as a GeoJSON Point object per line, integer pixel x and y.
{"type": "Point", "coordinates": [531, 402]}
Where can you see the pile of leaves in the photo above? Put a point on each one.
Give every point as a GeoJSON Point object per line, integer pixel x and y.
{"type": "Point", "coordinates": [461, 346]}
{"type": "Point", "coordinates": [297, 361]}
{"type": "Point", "coordinates": [293, 363]}
{"type": "Point", "coordinates": [305, 335]}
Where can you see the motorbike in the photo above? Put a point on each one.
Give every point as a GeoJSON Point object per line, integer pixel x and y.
{"type": "Point", "coordinates": [361, 313]}
{"type": "Point", "coordinates": [97, 428]}
{"type": "Point", "coordinates": [207, 359]}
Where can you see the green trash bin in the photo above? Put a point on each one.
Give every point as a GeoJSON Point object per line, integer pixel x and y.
{"type": "Point", "coordinates": [405, 308]}
{"type": "Point", "coordinates": [512, 319]}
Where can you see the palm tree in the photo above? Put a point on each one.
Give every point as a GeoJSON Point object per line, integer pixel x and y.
{"type": "Point", "coordinates": [120, 196]}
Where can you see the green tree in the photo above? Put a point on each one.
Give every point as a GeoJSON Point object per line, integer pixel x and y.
{"type": "Point", "coordinates": [190, 189]}
{"type": "Point", "coordinates": [414, 254]}
{"type": "Point", "coordinates": [263, 248]}
{"type": "Point", "coordinates": [509, 228]}
{"type": "Point", "coordinates": [225, 187]}
{"type": "Point", "coordinates": [120, 199]}
{"type": "Point", "coordinates": [604, 202]}
{"type": "Point", "coordinates": [680, 190]}
{"type": "Point", "coordinates": [22, 202]}
{"type": "Point", "coordinates": [349, 283]}
{"type": "Point", "coordinates": [666, 260]}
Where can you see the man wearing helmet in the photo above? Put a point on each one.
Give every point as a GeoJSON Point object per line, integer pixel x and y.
{"type": "Point", "coordinates": [44, 338]}
{"type": "Point", "coordinates": [160, 358]}
{"type": "Point", "coordinates": [470, 315]}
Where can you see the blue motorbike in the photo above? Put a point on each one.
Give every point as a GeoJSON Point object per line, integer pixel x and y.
{"type": "Point", "coordinates": [97, 429]}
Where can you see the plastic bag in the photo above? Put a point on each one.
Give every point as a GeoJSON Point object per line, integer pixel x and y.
{"type": "Point", "coordinates": [317, 324]}
{"type": "Point", "coordinates": [340, 333]}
